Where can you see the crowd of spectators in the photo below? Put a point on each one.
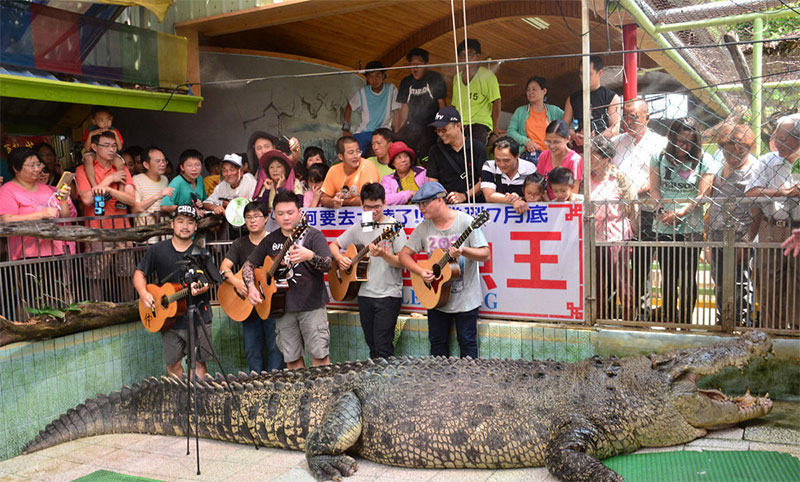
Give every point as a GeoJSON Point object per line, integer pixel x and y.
{"type": "Point", "coordinates": [650, 187]}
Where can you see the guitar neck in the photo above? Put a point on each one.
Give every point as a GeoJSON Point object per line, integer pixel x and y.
{"type": "Point", "coordinates": [178, 295]}
{"type": "Point", "coordinates": [447, 258]}
{"type": "Point", "coordinates": [363, 252]}
{"type": "Point", "coordinates": [289, 241]}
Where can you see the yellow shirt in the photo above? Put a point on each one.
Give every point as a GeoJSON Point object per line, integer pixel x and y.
{"type": "Point", "coordinates": [408, 183]}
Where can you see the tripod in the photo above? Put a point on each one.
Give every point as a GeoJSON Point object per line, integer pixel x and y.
{"type": "Point", "coordinates": [194, 319]}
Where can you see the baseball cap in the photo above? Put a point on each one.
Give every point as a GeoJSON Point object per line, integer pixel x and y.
{"type": "Point", "coordinates": [234, 159]}
{"type": "Point", "coordinates": [429, 190]}
{"type": "Point", "coordinates": [446, 115]}
{"type": "Point", "coordinates": [185, 210]}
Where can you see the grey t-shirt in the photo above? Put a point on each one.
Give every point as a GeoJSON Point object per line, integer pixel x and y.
{"type": "Point", "coordinates": [465, 291]}
{"type": "Point", "coordinates": [382, 279]}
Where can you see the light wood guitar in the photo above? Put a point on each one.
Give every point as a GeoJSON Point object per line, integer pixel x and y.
{"type": "Point", "coordinates": [436, 293]}
{"type": "Point", "coordinates": [170, 303]}
{"type": "Point", "coordinates": [237, 307]}
{"type": "Point", "coordinates": [344, 283]}
{"type": "Point", "coordinates": [269, 284]}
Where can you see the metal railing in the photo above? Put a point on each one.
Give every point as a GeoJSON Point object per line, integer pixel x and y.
{"type": "Point", "coordinates": [710, 281]}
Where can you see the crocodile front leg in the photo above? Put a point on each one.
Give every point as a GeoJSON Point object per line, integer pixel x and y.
{"type": "Point", "coordinates": [569, 456]}
{"type": "Point", "coordinates": [339, 430]}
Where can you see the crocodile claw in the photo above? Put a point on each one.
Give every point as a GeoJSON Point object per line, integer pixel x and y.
{"type": "Point", "coordinates": [332, 467]}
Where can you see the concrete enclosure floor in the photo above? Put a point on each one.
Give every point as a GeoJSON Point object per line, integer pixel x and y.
{"type": "Point", "coordinates": [164, 458]}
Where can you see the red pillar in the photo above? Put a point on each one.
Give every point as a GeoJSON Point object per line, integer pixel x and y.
{"type": "Point", "coordinates": [630, 88]}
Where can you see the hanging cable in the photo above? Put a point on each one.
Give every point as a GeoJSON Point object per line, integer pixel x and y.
{"type": "Point", "coordinates": [470, 198]}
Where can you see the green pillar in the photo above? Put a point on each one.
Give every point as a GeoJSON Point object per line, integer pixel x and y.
{"type": "Point", "coordinates": [759, 25]}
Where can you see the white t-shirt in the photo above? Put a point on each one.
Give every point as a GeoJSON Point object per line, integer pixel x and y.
{"type": "Point", "coordinates": [224, 190]}
{"type": "Point", "coordinates": [775, 173]}
{"type": "Point", "coordinates": [465, 291]}
{"type": "Point", "coordinates": [382, 279]}
{"type": "Point", "coordinates": [634, 159]}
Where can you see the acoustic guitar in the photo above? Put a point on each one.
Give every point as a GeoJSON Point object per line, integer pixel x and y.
{"type": "Point", "coordinates": [170, 304]}
{"type": "Point", "coordinates": [237, 307]}
{"type": "Point", "coordinates": [344, 283]}
{"type": "Point", "coordinates": [271, 287]}
{"type": "Point", "coordinates": [436, 293]}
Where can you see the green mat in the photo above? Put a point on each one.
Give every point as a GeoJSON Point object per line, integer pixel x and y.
{"type": "Point", "coordinates": [717, 466]}
{"type": "Point", "coordinates": [108, 476]}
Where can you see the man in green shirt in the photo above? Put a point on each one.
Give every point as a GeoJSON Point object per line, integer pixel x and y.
{"type": "Point", "coordinates": [482, 110]}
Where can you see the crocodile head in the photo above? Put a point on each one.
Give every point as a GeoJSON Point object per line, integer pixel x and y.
{"type": "Point", "coordinates": [709, 409]}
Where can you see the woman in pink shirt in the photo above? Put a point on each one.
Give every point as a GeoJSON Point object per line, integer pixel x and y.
{"type": "Point", "coordinates": [24, 198]}
{"type": "Point", "coordinates": [556, 137]}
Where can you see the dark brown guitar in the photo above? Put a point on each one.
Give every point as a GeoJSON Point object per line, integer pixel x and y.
{"type": "Point", "coordinates": [436, 293]}
{"type": "Point", "coordinates": [272, 288]}
{"type": "Point", "coordinates": [344, 283]}
{"type": "Point", "coordinates": [170, 304]}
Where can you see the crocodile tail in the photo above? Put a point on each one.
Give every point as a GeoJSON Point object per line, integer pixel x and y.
{"type": "Point", "coordinates": [150, 406]}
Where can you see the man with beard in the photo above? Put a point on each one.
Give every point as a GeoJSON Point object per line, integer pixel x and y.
{"type": "Point", "coordinates": [164, 259]}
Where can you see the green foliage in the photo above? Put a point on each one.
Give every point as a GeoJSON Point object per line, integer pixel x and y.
{"type": "Point", "coordinates": [55, 312]}
{"type": "Point", "coordinates": [775, 28]}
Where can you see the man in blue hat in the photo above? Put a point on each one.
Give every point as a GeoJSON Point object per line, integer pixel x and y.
{"type": "Point", "coordinates": [441, 228]}
{"type": "Point", "coordinates": [455, 161]}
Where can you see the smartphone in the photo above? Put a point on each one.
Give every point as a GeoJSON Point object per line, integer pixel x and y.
{"type": "Point", "coordinates": [66, 180]}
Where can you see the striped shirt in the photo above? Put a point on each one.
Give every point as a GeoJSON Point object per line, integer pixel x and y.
{"type": "Point", "coordinates": [490, 173]}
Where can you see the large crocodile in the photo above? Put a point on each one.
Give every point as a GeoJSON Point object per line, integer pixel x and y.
{"type": "Point", "coordinates": [443, 413]}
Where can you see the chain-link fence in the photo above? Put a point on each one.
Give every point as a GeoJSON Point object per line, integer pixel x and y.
{"type": "Point", "coordinates": [690, 215]}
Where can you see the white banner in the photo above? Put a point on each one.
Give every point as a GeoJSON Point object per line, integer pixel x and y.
{"type": "Point", "coordinates": [536, 267]}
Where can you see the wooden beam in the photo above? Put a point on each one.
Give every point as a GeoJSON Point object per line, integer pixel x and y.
{"type": "Point", "coordinates": [277, 55]}
{"type": "Point", "coordinates": [192, 58]}
{"type": "Point", "coordinates": [477, 14]}
{"type": "Point", "coordinates": [290, 11]}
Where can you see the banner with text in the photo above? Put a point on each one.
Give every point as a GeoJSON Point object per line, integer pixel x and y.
{"type": "Point", "coordinates": [536, 265]}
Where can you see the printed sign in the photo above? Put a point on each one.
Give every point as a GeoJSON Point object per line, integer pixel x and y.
{"type": "Point", "coordinates": [536, 265]}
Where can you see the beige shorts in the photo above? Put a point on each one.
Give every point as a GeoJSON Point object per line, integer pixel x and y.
{"type": "Point", "coordinates": [298, 329]}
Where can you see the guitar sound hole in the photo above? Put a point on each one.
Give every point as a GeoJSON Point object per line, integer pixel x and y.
{"type": "Point", "coordinates": [164, 302]}
{"type": "Point", "coordinates": [437, 271]}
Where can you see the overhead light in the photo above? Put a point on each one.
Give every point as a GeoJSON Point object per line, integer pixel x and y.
{"type": "Point", "coordinates": [536, 23]}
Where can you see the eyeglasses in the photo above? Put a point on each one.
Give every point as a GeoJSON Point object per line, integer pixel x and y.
{"type": "Point", "coordinates": [373, 208]}
{"type": "Point", "coordinates": [158, 161]}
{"type": "Point", "coordinates": [424, 204]}
{"type": "Point", "coordinates": [107, 146]}
{"type": "Point", "coordinates": [34, 166]}
{"type": "Point", "coordinates": [253, 218]}
{"type": "Point", "coordinates": [356, 152]}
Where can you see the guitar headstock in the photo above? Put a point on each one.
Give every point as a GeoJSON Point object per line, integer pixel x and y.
{"type": "Point", "coordinates": [391, 231]}
{"type": "Point", "coordinates": [481, 219]}
{"type": "Point", "coordinates": [299, 229]}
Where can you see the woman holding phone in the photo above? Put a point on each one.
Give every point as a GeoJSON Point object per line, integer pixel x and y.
{"type": "Point", "coordinates": [24, 198]}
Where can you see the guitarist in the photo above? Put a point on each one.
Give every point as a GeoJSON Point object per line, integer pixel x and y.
{"type": "Point", "coordinates": [256, 332]}
{"type": "Point", "coordinates": [305, 321]}
{"type": "Point", "coordinates": [440, 229]}
{"type": "Point", "coordinates": [162, 258]}
{"type": "Point", "coordinates": [380, 297]}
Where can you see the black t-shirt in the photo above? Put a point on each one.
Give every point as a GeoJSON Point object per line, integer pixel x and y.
{"type": "Point", "coordinates": [239, 251]}
{"type": "Point", "coordinates": [447, 166]}
{"type": "Point", "coordinates": [306, 284]}
{"type": "Point", "coordinates": [600, 99]}
{"type": "Point", "coordinates": [422, 97]}
{"type": "Point", "coordinates": [162, 258]}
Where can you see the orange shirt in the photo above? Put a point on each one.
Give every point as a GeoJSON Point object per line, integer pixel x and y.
{"type": "Point", "coordinates": [535, 127]}
{"type": "Point", "coordinates": [101, 172]}
{"type": "Point", "coordinates": [336, 178]}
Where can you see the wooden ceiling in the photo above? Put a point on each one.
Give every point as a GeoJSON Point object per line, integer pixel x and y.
{"type": "Point", "coordinates": [353, 32]}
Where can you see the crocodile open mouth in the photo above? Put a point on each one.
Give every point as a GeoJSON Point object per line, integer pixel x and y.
{"type": "Point", "coordinates": [747, 404]}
